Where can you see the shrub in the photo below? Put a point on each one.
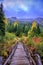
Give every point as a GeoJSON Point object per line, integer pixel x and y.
{"type": "Point", "coordinates": [39, 48]}
{"type": "Point", "coordinates": [4, 53]}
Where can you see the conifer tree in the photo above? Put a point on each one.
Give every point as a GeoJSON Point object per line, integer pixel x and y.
{"type": "Point", "coordinates": [38, 29]}
{"type": "Point", "coordinates": [2, 24]}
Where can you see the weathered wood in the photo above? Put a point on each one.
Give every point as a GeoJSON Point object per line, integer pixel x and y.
{"type": "Point", "coordinates": [38, 59]}
{"type": "Point", "coordinates": [13, 50]}
{"type": "Point", "coordinates": [31, 60]}
{"type": "Point", "coordinates": [20, 57]}
{"type": "Point", "coordinates": [1, 59]}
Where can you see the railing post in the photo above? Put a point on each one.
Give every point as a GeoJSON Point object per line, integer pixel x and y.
{"type": "Point", "coordinates": [13, 50]}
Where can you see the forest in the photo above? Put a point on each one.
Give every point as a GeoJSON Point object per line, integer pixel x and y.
{"type": "Point", "coordinates": [31, 34]}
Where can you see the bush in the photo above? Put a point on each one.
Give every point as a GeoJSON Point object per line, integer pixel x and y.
{"type": "Point", "coordinates": [4, 53]}
{"type": "Point", "coordinates": [9, 36]}
{"type": "Point", "coordinates": [30, 42]}
{"type": "Point", "coordinates": [39, 48]}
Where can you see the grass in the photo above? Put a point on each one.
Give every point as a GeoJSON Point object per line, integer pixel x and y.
{"type": "Point", "coordinates": [7, 43]}
{"type": "Point", "coordinates": [32, 40]}
{"type": "Point", "coordinates": [34, 43]}
{"type": "Point", "coordinates": [9, 36]}
{"type": "Point", "coordinates": [37, 44]}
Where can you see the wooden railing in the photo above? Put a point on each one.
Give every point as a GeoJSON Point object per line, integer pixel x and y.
{"type": "Point", "coordinates": [31, 61]}
{"type": "Point", "coordinates": [10, 56]}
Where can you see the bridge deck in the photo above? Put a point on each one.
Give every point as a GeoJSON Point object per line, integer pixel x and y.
{"type": "Point", "coordinates": [20, 57]}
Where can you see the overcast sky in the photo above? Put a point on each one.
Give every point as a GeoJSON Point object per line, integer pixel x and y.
{"type": "Point", "coordinates": [23, 8]}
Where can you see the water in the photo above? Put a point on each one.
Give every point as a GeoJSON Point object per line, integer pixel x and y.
{"type": "Point", "coordinates": [1, 60]}
{"type": "Point", "coordinates": [38, 60]}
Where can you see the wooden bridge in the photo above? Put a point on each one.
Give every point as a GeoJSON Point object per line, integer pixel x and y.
{"type": "Point", "coordinates": [20, 56]}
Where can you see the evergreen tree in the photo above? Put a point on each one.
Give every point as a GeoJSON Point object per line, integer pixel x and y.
{"type": "Point", "coordinates": [2, 24]}
{"type": "Point", "coordinates": [38, 29]}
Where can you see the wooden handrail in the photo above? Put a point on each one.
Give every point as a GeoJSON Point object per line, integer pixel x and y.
{"type": "Point", "coordinates": [13, 50]}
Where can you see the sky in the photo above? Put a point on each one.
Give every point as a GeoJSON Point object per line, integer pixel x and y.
{"type": "Point", "coordinates": [23, 8]}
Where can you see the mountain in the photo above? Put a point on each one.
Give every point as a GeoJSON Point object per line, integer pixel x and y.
{"type": "Point", "coordinates": [30, 20]}
{"type": "Point", "coordinates": [12, 19]}
{"type": "Point", "coordinates": [39, 20]}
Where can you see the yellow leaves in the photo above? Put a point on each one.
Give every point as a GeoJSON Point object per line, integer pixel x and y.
{"type": "Point", "coordinates": [29, 32]}
{"type": "Point", "coordinates": [34, 25]}
{"type": "Point", "coordinates": [24, 38]}
{"type": "Point", "coordinates": [19, 39]}
{"type": "Point", "coordinates": [15, 23]}
{"type": "Point", "coordinates": [6, 21]}
{"type": "Point", "coordinates": [4, 53]}
{"type": "Point", "coordinates": [14, 40]}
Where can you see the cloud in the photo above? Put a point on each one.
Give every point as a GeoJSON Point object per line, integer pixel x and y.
{"type": "Point", "coordinates": [17, 4]}
{"type": "Point", "coordinates": [23, 7]}
{"type": "Point", "coordinates": [8, 4]}
{"type": "Point", "coordinates": [22, 4]}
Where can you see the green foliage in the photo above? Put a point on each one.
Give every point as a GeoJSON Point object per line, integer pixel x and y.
{"type": "Point", "coordinates": [34, 31]}
{"type": "Point", "coordinates": [10, 27]}
{"type": "Point", "coordinates": [9, 36]}
{"type": "Point", "coordinates": [38, 29]}
{"type": "Point", "coordinates": [39, 48]}
{"type": "Point", "coordinates": [2, 24]}
{"type": "Point", "coordinates": [19, 29]}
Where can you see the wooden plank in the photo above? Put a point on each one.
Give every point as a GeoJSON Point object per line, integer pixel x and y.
{"type": "Point", "coordinates": [13, 50]}
{"type": "Point", "coordinates": [20, 57]}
